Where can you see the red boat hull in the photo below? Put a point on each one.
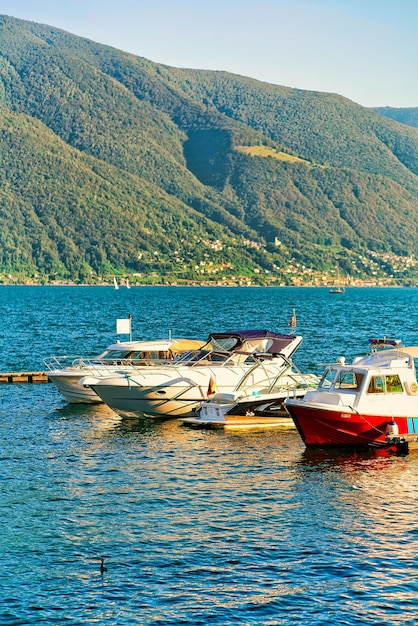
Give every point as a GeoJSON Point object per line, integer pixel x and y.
{"type": "Point", "coordinates": [323, 427]}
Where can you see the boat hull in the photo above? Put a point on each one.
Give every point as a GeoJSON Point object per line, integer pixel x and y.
{"type": "Point", "coordinates": [153, 402]}
{"type": "Point", "coordinates": [176, 391]}
{"type": "Point", "coordinates": [324, 427]}
{"type": "Point", "coordinates": [68, 385]}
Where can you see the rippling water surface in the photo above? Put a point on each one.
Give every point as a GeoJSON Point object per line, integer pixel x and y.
{"type": "Point", "coordinates": [196, 527]}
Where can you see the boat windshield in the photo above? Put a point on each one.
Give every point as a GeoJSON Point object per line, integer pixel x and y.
{"type": "Point", "coordinates": [341, 379]}
{"type": "Point", "coordinates": [348, 379]}
{"type": "Point", "coordinates": [246, 347]}
{"type": "Point", "coordinates": [116, 356]}
{"type": "Point", "coordinates": [113, 355]}
{"type": "Point", "coordinates": [327, 378]}
{"type": "Point", "coordinates": [201, 356]}
{"type": "Point", "coordinates": [224, 344]}
{"type": "Point", "coordinates": [248, 344]}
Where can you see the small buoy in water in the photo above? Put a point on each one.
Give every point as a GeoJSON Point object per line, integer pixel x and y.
{"type": "Point", "coordinates": [392, 428]}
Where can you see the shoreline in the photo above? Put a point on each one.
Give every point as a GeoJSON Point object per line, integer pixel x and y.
{"type": "Point", "coordinates": [213, 286]}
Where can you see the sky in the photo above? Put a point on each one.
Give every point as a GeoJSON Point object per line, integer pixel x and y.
{"type": "Point", "coordinates": [365, 50]}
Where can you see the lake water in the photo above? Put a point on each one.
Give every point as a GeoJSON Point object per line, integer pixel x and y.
{"type": "Point", "coordinates": [196, 527]}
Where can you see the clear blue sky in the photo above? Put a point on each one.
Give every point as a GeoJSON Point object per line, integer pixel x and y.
{"type": "Point", "coordinates": [365, 50]}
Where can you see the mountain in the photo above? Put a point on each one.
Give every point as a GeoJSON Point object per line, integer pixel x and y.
{"type": "Point", "coordinates": [407, 116]}
{"type": "Point", "coordinates": [113, 164]}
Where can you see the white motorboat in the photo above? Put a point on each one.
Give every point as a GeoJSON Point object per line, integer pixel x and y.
{"type": "Point", "coordinates": [229, 362]}
{"type": "Point", "coordinates": [65, 372]}
{"type": "Point", "coordinates": [254, 409]}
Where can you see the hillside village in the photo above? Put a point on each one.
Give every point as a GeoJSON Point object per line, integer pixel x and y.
{"type": "Point", "coordinates": [295, 274]}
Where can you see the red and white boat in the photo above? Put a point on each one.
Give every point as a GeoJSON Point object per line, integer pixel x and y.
{"type": "Point", "coordinates": [371, 402]}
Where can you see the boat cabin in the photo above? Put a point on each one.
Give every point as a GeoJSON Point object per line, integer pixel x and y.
{"type": "Point", "coordinates": [128, 353]}
{"type": "Point", "coordinates": [380, 378]}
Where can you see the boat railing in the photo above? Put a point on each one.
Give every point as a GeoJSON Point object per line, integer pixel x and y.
{"type": "Point", "coordinates": [212, 358]}
{"type": "Point", "coordinates": [62, 362]}
{"type": "Point", "coordinates": [296, 383]}
{"type": "Point", "coordinates": [209, 359]}
{"type": "Point", "coordinates": [276, 380]}
{"type": "Point", "coordinates": [294, 377]}
{"type": "Point", "coordinates": [109, 366]}
{"type": "Point", "coordinates": [219, 358]}
{"type": "Point", "coordinates": [247, 361]}
{"type": "Point", "coordinates": [261, 382]}
{"type": "Point", "coordinates": [179, 368]}
{"type": "Point", "coordinates": [289, 387]}
{"type": "Point", "coordinates": [95, 365]}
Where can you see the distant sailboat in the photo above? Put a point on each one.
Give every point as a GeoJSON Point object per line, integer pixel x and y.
{"type": "Point", "coordinates": [127, 284]}
{"type": "Point", "coordinates": [337, 286]}
{"type": "Point", "coordinates": [115, 282]}
{"type": "Point", "coordinates": [293, 320]}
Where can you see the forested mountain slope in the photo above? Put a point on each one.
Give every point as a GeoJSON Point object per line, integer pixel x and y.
{"type": "Point", "coordinates": [114, 164]}
{"type": "Point", "coordinates": [407, 116]}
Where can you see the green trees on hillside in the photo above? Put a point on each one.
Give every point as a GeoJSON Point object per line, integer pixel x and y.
{"type": "Point", "coordinates": [110, 163]}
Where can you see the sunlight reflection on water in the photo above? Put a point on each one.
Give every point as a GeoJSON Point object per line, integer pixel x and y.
{"type": "Point", "coordinates": [195, 527]}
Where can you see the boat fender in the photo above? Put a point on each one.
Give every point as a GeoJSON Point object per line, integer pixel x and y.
{"type": "Point", "coordinates": [392, 428]}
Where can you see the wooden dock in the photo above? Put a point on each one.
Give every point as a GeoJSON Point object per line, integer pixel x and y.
{"type": "Point", "coordinates": [23, 377]}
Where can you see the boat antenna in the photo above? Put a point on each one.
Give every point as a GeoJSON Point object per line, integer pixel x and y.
{"type": "Point", "coordinates": [130, 326]}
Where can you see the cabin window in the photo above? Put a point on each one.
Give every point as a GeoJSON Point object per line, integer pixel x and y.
{"type": "Point", "coordinates": [393, 384]}
{"type": "Point", "coordinates": [117, 354]}
{"type": "Point", "coordinates": [347, 379]}
{"type": "Point", "coordinates": [385, 384]}
{"type": "Point", "coordinates": [376, 385]}
{"type": "Point", "coordinates": [154, 355]}
{"type": "Point", "coordinates": [136, 356]}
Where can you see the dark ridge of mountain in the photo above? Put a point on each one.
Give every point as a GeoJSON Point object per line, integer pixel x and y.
{"type": "Point", "coordinates": [113, 163]}
{"type": "Point", "coordinates": [408, 116]}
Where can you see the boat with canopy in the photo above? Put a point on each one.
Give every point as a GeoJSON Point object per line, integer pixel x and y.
{"type": "Point", "coordinates": [229, 361]}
